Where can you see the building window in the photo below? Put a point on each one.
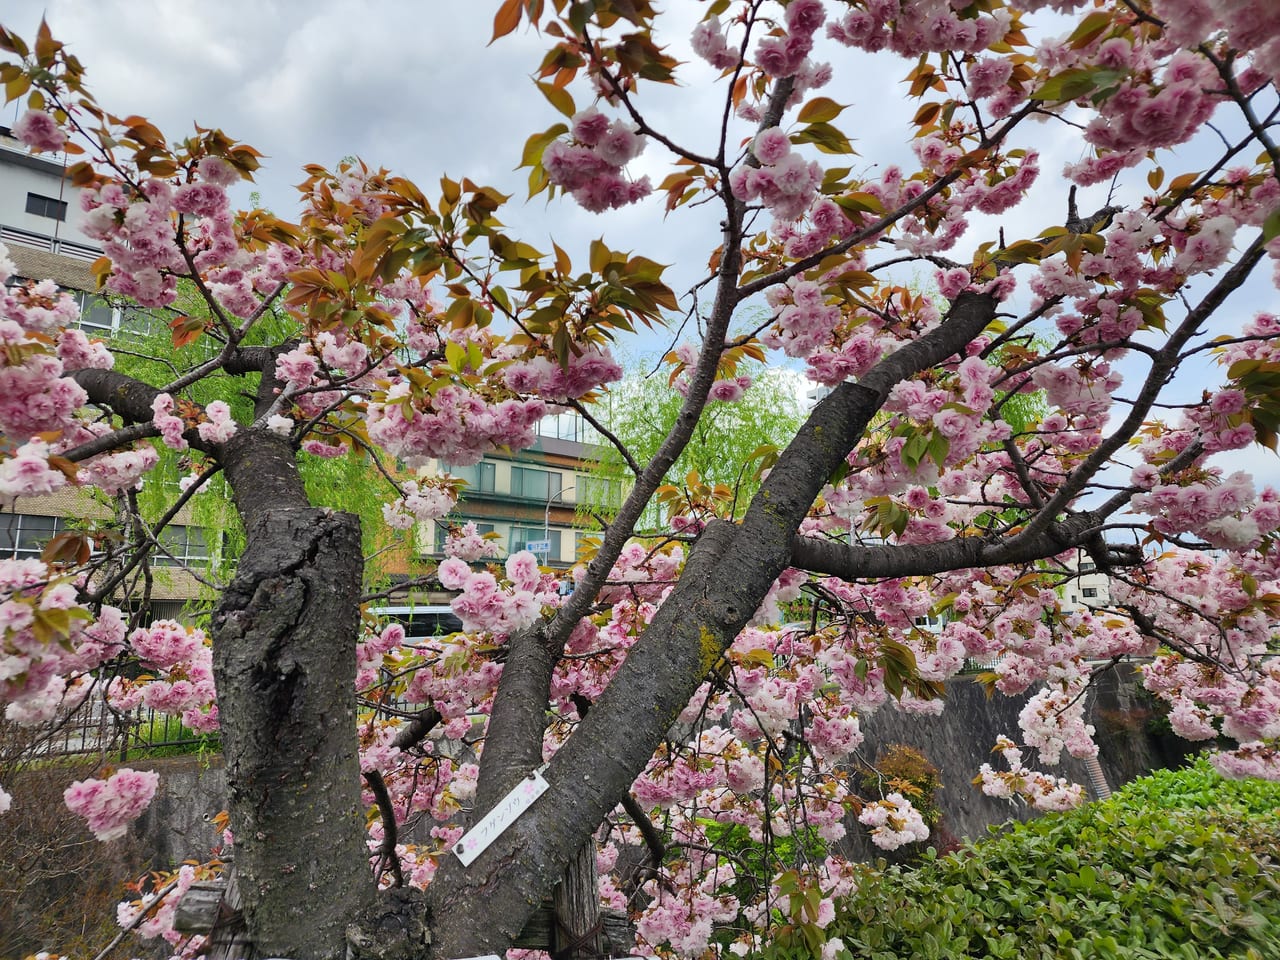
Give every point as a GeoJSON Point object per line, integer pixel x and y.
{"type": "Point", "coordinates": [1087, 567]}
{"type": "Point", "coordinates": [1089, 592]}
{"type": "Point", "coordinates": [520, 536]}
{"type": "Point", "coordinates": [49, 207]}
{"type": "Point", "coordinates": [23, 536]}
{"type": "Point", "coordinates": [96, 314]}
{"type": "Point", "coordinates": [535, 484]}
{"type": "Point", "coordinates": [184, 545]}
{"type": "Point", "coordinates": [566, 426]}
{"type": "Point", "coordinates": [479, 476]}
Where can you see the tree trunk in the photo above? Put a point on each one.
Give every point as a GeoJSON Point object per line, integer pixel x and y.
{"type": "Point", "coordinates": [481, 908]}
{"type": "Point", "coordinates": [284, 663]}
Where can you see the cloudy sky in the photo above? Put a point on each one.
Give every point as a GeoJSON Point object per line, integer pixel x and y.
{"type": "Point", "coordinates": [414, 86]}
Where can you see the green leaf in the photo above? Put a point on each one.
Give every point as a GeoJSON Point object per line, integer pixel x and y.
{"type": "Point", "coordinates": [558, 97]}
{"type": "Point", "coordinates": [537, 144]}
{"type": "Point", "coordinates": [600, 256]}
{"type": "Point", "coordinates": [1090, 28]}
{"type": "Point", "coordinates": [819, 110]}
{"type": "Point", "coordinates": [1077, 83]}
{"type": "Point", "coordinates": [1271, 226]}
{"type": "Point", "coordinates": [825, 137]}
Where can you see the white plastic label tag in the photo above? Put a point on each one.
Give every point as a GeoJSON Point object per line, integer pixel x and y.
{"type": "Point", "coordinates": [476, 840]}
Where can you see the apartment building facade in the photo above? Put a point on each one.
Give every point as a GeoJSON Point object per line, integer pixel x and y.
{"type": "Point", "coordinates": [530, 499]}
{"type": "Point", "coordinates": [39, 224]}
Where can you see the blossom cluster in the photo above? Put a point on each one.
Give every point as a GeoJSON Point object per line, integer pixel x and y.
{"type": "Point", "coordinates": [557, 382]}
{"type": "Point", "coordinates": [486, 605]}
{"type": "Point", "coordinates": [159, 919]}
{"type": "Point", "coordinates": [1228, 514]}
{"type": "Point", "coordinates": [1218, 680]}
{"type": "Point", "coordinates": [39, 131]}
{"type": "Point", "coordinates": [918, 27]}
{"type": "Point", "coordinates": [893, 821]}
{"type": "Point", "coordinates": [1041, 791]}
{"type": "Point", "coordinates": [467, 543]}
{"type": "Point", "coordinates": [782, 179]}
{"type": "Point", "coordinates": [181, 679]}
{"type": "Point", "coordinates": [110, 805]}
{"type": "Point", "coordinates": [591, 166]}
{"type": "Point", "coordinates": [47, 636]}
{"type": "Point", "coordinates": [421, 500]}
{"type": "Point", "coordinates": [455, 425]}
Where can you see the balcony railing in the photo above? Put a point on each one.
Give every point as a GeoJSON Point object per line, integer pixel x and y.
{"type": "Point", "coordinates": [40, 241]}
{"type": "Point", "coordinates": [122, 734]}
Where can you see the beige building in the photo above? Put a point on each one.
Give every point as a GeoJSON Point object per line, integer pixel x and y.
{"type": "Point", "coordinates": [529, 499]}
{"type": "Point", "coordinates": [1087, 588]}
{"type": "Point", "coordinates": [39, 224]}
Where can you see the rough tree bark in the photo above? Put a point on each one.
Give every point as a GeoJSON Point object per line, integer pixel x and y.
{"type": "Point", "coordinates": [284, 636]}
{"type": "Point", "coordinates": [284, 663]}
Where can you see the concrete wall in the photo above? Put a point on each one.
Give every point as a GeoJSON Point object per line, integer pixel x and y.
{"type": "Point", "coordinates": [178, 825]}
{"type": "Point", "coordinates": [960, 741]}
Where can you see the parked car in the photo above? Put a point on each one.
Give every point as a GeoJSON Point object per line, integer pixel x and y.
{"type": "Point", "coordinates": [420, 621]}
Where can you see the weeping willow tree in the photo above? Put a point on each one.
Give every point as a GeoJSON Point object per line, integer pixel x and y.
{"type": "Point", "coordinates": [724, 457]}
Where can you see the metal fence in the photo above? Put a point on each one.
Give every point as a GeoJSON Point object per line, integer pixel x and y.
{"type": "Point", "coordinates": [124, 734]}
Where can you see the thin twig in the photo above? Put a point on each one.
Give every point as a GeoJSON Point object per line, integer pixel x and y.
{"type": "Point", "coordinates": [137, 921]}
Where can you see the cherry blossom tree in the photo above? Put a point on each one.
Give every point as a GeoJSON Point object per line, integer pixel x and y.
{"type": "Point", "coordinates": [678, 724]}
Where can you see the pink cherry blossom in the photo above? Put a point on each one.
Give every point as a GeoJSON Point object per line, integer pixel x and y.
{"type": "Point", "coordinates": [39, 131]}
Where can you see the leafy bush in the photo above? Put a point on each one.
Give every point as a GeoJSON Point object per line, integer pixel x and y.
{"type": "Point", "coordinates": [1200, 787]}
{"type": "Point", "coordinates": [165, 736]}
{"type": "Point", "coordinates": [905, 769]}
{"type": "Point", "coordinates": [1126, 878]}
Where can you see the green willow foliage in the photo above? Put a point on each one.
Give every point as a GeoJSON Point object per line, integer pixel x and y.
{"type": "Point", "coordinates": [144, 348]}
{"type": "Point", "coordinates": [641, 410]}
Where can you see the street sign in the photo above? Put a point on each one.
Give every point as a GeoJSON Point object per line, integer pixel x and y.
{"type": "Point", "coordinates": [538, 546]}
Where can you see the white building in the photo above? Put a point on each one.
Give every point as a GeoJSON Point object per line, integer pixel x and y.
{"type": "Point", "coordinates": [1087, 588]}
{"type": "Point", "coordinates": [39, 224]}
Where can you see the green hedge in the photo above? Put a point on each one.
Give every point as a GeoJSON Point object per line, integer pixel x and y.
{"type": "Point", "coordinates": [1200, 787]}
{"type": "Point", "coordinates": [1177, 866]}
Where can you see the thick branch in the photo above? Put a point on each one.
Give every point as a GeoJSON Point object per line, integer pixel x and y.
{"type": "Point", "coordinates": [728, 573]}
{"type": "Point", "coordinates": [1162, 368]}
{"type": "Point", "coordinates": [417, 729]}
{"type": "Point", "coordinates": [515, 730]}
{"type": "Point", "coordinates": [515, 733]}
{"type": "Point", "coordinates": [128, 399]}
{"type": "Point", "coordinates": [854, 562]}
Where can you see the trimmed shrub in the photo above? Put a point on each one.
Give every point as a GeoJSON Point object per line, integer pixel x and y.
{"type": "Point", "coordinates": [905, 769]}
{"type": "Point", "coordinates": [1180, 866]}
{"type": "Point", "coordinates": [1200, 787]}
